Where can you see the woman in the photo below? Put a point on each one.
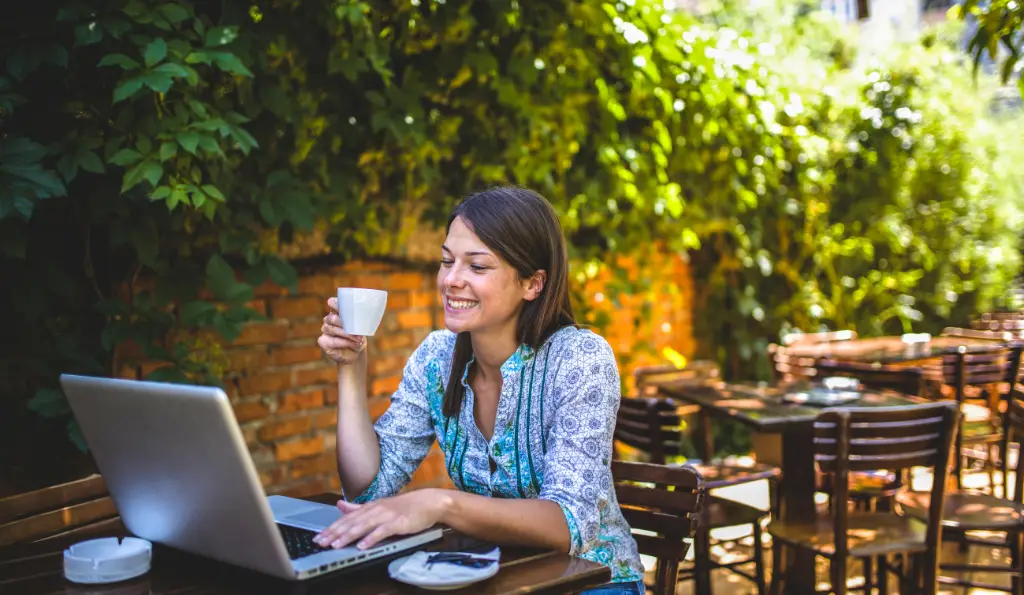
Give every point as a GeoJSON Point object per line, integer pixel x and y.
{"type": "Point", "coordinates": [521, 401]}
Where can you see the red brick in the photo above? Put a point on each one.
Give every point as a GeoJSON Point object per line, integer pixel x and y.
{"type": "Point", "coordinates": [262, 334]}
{"type": "Point", "coordinates": [286, 356]}
{"type": "Point", "coordinates": [392, 341]}
{"type": "Point", "coordinates": [249, 359]}
{"type": "Point", "coordinates": [303, 307]}
{"type": "Point", "coordinates": [250, 410]}
{"type": "Point", "coordinates": [377, 406]}
{"type": "Point", "coordinates": [331, 395]}
{"type": "Point", "coordinates": [385, 364]}
{"type": "Point", "coordinates": [324, 375]}
{"type": "Point", "coordinates": [325, 463]}
{"type": "Point", "coordinates": [269, 289]}
{"type": "Point", "coordinates": [415, 319]}
{"type": "Point", "coordinates": [272, 382]}
{"type": "Point", "coordinates": [385, 386]}
{"type": "Point", "coordinates": [398, 300]}
{"type": "Point", "coordinates": [366, 265]}
{"type": "Point", "coordinates": [128, 372]}
{"type": "Point", "coordinates": [299, 401]}
{"type": "Point", "coordinates": [325, 419]}
{"type": "Point", "coordinates": [368, 281]}
{"type": "Point", "coordinates": [303, 447]}
{"type": "Point", "coordinates": [258, 305]}
{"type": "Point", "coordinates": [423, 299]}
{"type": "Point", "coordinates": [400, 281]}
{"type": "Point", "coordinates": [306, 330]}
{"type": "Point", "coordinates": [320, 286]}
{"type": "Point", "coordinates": [283, 429]}
{"type": "Point", "coordinates": [271, 477]}
{"type": "Point", "coordinates": [334, 482]}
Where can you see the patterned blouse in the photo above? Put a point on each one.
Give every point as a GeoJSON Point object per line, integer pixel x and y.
{"type": "Point", "coordinates": [552, 437]}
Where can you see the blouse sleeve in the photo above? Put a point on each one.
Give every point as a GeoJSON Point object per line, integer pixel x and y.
{"type": "Point", "coordinates": [577, 467]}
{"type": "Point", "coordinates": [405, 431]}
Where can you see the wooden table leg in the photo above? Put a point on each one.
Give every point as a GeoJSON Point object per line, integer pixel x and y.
{"type": "Point", "coordinates": [797, 495]}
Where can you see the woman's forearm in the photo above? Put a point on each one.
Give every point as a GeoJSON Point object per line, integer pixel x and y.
{"type": "Point", "coordinates": [528, 522]}
{"type": "Point", "coordinates": [358, 448]}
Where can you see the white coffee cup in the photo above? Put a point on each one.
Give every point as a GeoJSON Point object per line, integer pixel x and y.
{"type": "Point", "coordinates": [361, 309]}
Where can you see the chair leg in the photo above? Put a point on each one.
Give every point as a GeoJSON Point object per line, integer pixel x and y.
{"type": "Point", "coordinates": [883, 577]}
{"type": "Point", "coordinates": [1016, 541]}
{"type": "Point", "coordinates": [869, 574]}
{"type": "Point", "coordinates": [702, 562]}
{"type": "Point", "coordinates": [759, 560]}
{"type": "Point", "coordinates": [777, 565]}
{"type": "Point", "coordinates": [837, 571]}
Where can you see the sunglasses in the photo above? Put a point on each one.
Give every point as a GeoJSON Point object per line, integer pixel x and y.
{"type": "Point", "coordinates": [460, 559]}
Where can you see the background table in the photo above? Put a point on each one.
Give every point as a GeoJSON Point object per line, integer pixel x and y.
{"type": "Point", "coordinates": [761, 407]}
{"type": "Point", "coordinates": [39, 568]}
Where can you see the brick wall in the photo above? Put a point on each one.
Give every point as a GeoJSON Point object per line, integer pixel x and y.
{"type": "Point", "coordinates": [284, 391]}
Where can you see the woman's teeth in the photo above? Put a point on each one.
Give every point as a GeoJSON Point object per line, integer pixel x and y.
{"type": "Point", "coordinates": [460, 304]}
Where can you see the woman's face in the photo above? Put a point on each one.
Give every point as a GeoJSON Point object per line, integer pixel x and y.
{"type": "Point", "coordinates": [479, 291]}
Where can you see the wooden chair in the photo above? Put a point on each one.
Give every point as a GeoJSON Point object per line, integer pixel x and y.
{"type": "Point", "coordinates": [986, 376]}
{"type": "Point", "coordinates": [787, 367]}
{"type": "Point", "coordinates": [858, 439]}
{"type": "Point", "coordinates": [994, 335]}
{"type": "Point", "coordinates": [963, 512]}
{"type": "Point", "coordinates": [653, 426]}
{"type": "Point", "coordinates": [78, 508]}
{"type": "Point", "coordinates": [647, 378]}
{"type": "Point", "coordinates": [662, 505]}
{"type": "Point", "coordinates": [870, 489]}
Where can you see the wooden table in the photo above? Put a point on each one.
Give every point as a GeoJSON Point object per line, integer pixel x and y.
{"type": "Point", "coordinates": [761, 408]}
{"type": "Point", "coordinates": [889, 350]}
{"type": "Point", "coordinates": [38, 568]}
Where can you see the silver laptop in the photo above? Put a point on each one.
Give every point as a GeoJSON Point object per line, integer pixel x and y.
{"type": "Point", "coordinates": [180, 473]}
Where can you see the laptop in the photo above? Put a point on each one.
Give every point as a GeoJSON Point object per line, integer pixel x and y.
{"type": "Point", "coordinates": [179, 471]}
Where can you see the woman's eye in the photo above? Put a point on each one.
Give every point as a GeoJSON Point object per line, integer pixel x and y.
{"type": "Point", "coordinates": [477, 268]}
{"type": "Point", "coordinates": [446, 263]}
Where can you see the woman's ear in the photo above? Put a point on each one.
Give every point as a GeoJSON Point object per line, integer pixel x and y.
{"type": "Point", "coordinates": [534, 285]}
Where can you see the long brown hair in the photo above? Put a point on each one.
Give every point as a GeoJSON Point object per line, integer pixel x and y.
{"type": "Point", "coordinates": [522, 229]}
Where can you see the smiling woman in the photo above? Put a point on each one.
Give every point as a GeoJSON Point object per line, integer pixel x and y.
{"type": "Point", "coordinates": [521, 401]}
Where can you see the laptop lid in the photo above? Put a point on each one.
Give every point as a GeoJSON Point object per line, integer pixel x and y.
{"type": "Point", "coordinates": [178, 469]}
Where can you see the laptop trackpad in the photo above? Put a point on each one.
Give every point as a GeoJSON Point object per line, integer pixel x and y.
{"type": "Point", "coordinates": [316, 519]}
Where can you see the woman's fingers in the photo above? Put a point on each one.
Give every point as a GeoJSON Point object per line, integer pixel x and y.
{"type": "Point", "coordinates": [332, 303]}
{"type": "Point", "coordinates": [329, 343]}
{"type": "Point", "coordinates": [374, 537]}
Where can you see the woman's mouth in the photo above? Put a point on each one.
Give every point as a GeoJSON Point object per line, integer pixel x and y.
{"type": "Point", "coordinates": [459, 305]}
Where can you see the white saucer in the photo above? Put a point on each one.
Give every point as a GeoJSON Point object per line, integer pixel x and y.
{"type": "Point", "coordinates": [440, 582]}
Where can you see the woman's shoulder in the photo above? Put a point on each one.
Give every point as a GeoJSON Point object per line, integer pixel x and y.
{"type": "Point", "coordinates": [438, 345]}
{"type": "Point", "coordinates": [570, 340]}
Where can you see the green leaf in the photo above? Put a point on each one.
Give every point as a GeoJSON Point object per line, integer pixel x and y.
{"type": "Point", "coordinates": [168, 150]}
{"type": "Point", "coordinates": [88, 34]}
{"type": "Point", "coordinates": [175, 70]}
{"type": "Point", "coordinates": [219, 36]}
{"type": "Point", "coordinates": [213, 192]}
{"type": "Point", "coordinates": [155, 51]}
{"type": "Point", "coordinates": [189, 141]}
{"type": "Point", "coordinates": [220, 277]}
{"type": "Point", "coordinates": [17, 149]}
{"type": "Point", "coordinates": [196, 313]}
{"type": "Point", "coordinates": [144, 145]}
{"type": "Point", "coordinates": [152, 172]}
{"type": "Point", "coordinates": [90, 162]}
{"type": "Point", "coordinates": [282, 273]}
{"type": "Point", "coordinates": [158, 81]}
{"type": "Point", "coordinates": [126, 157]}
{"type": "Point", "coordinates": [127, 88]}
{"type": "Point", "coordinates": [160, 193]}
{"type": "Point", "coordinates": [168, 374]}
{"type": "Point", "coordinates": [44, 183]}
{"type": "Point", "coordinates": [67, 167]}
{"type": "Point", "coordinates": [49, 403]}
{"type": "Point", "coordinates": [121, 60]}
{"type": "Point", "coordinates": [230, 63]}
{"type": "Point", "coordinates": [175, 13]}
{"type": "Point", "coordinates": [133, 177]}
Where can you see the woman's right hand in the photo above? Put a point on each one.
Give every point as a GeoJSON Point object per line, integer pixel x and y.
{"type": "Point", "coordinates": [336, 343]}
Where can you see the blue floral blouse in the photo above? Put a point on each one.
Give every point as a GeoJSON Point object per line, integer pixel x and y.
{"type": "Point", "coordinates": [552, 437]}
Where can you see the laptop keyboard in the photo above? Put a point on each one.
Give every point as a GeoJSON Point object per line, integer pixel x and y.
{"type": "Point", "coordinates": [299, 542]}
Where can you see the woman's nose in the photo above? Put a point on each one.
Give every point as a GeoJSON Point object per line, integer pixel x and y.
{"type": "Point", "coordinates": [453, 278]}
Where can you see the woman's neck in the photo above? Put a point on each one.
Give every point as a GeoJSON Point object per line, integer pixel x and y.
{"type": "Point", "coordinates": [490, 352]}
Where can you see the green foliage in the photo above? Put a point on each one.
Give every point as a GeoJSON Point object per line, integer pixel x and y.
{"type": "Point", "coordinates": [159, 157]}
{"type": "Point", "coordinates": [998, 35]}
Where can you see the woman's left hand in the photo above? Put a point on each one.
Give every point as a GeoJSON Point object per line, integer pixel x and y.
{"type": "Point", "coordinates": [369, 523]}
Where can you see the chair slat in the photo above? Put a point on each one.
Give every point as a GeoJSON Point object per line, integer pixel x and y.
{"type": "Point", "coordinates": [660, 547]}
{"type": "Point", "coordinates": [659, 499]}
{"type": "Point", "coordinates": [51, 497]}
{"type": "Point", "coordinates": [658, 522]}
{"type": "Point", "coordinates": [684, 478]}
{"type": "Point", "coordinates": [866, 447]}
{"type": "Point", "coordinates": [37, 527]}
{"type": "Point", "coordinates": [924, 458]}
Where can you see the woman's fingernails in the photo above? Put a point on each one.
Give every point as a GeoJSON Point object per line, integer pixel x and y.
{"type": "Point", "coordinates": [362, 545]}
{"type": "Point", "coordinates": [336, 544]}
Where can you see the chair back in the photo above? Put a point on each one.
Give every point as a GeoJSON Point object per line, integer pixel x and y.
{"type": "Point", "coordinates": [647, 378]}
{"type": "Point", "coordinates": [980, 368]}
{"type": "Point", "coordinates": [895, 438]}
{"type": "Point", "coordinates": [80, 508]}
{"type": "Point", "coordinates": [662, 506]}
{"type": "Point", "coordinates": [787, 367]}
{"type": "Point", "coordinates": [1015, 433]}
{"type": "Point", "coordinates": [651, 425]}
{"type": "Point", "coordinates": [904, 380]}
{"type": "Point", "coordinates": [994, 335]}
